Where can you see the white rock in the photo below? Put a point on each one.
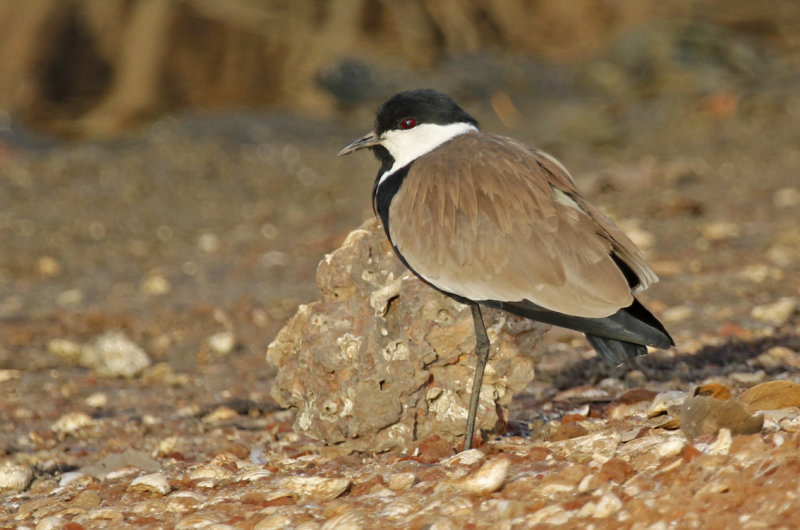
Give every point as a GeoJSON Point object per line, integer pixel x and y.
{"type": "Point", "coordinates": [607, 505]}
{"type": "Point", "coordinates": [318, 487]}
{"type": "Point", "coordinates": [14, 477]}
{"type": "Point", "coordinates": [553, 514]}
{"type": "Point", "coordinates": [401, 481]}
{"type": "Point", "coordinates": [65, 349]}
{"type": "Point", "coordinates": [671, 447]}
{"type": "Point", "coordinates": [350, 520]}
{"type": "Point", "coordinates": [487, 479]}
{"type": "Point", "coordinates": [776, 313]}
{"type": "Point", "coordinates": [467, 458]}
{"type": "Point", "coordinates": [154, 482]}
{"type": "Point", "coordinates": [71, 422]}
{"type": "Point", "coordinates": [664, 400]}
{"type": "Point", "coordinates": [222, 343]}
{"type": "Point", "coordinates": [114, 354]}
{"type": "Point", "coordinates": [210, 472]}
{"type": "Point", "coordinates": [273, 522]}
{"type": "Point", "coordinates": [53, 522]}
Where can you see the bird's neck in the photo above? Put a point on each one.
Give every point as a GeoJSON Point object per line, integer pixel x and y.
{"type": "Point", "coordinates": [403, 147]}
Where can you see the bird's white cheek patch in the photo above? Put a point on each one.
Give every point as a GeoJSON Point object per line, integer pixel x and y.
{"type": "Point", "coordinates": [405, 146]}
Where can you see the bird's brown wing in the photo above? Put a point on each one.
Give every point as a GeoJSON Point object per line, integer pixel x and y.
{"type": "Point", "coordinates": [487, 218]}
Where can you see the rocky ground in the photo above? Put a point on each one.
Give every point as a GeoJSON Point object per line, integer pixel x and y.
{"type": "Point", "coordinates": [141, 281]}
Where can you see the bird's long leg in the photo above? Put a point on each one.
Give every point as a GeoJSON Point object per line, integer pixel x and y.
{"type": "Point", "coordinates": [482, 354]}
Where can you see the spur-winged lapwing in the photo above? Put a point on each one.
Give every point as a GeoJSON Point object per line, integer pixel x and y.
{"type": "Point", "coordinates": [490, 221]}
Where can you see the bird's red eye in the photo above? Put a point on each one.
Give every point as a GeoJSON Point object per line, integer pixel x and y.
{"type": "Point", "coordinates": [408, 123]}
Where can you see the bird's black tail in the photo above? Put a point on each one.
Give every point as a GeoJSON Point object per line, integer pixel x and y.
{"type": "Point", "coordinates": [616, 338]}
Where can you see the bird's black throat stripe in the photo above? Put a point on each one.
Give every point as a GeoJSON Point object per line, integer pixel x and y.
{"type": "Point", "coordinates": [384, 192]}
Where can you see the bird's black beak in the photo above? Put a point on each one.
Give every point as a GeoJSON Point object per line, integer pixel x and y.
{"type": "Point", "coordinates": [368, 140]}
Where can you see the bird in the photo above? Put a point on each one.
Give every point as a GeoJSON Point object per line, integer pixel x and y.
{"type": "Point", "coordinates": [492, 222]}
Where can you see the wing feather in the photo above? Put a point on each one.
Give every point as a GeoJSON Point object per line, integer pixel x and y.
{"type": "Point", "coordinates": [510, 225]}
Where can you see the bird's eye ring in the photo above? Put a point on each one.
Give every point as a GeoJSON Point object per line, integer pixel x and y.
{"type": "Point", "coordinates": [408, 123]}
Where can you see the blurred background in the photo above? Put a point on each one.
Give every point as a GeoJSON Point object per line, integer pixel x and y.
{"type": "Point", "coordinates": [168, 168]}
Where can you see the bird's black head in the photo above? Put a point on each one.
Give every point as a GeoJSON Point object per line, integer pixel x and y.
{"type": "Point", "coordinates": [422, 106]}
{"type": "Point", "coordinates": [410, 124]}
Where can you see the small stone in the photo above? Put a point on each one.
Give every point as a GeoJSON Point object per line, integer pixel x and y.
{"type": "Point", "coordinates": [156, 284]}
{"type": "Point", "coordinates": [76, 477]}
{"type": "Point", "coordinates": [154, 482]}
{"type": "Point", "coordinates": [53, 522]}
{"type": "Point", "coordinates": [220, 414]}
{"type": "Point", "coordinates": [253, 475]}
{"type": "Point", "coordinates": [664, 400]}
{"type": "Point", "coordinates": [114, 354]}
{"type": "Point", "coordinates": [273, 522]}
{"type": "Point", "coordinates": [197, 521]}
{"type": "Point", "coordinates": [776, 313]}
{"type": "Point", "coordinates": [608, 505]}
{"type": "Point", "coordinates": [71, 422]}
{"type": "Point", "coordinates": [106, 514]}
{"type": "Point", "coordinates": [320, 488]}
{"type": "Point", "coordinates": [401, 481]}
{"type": "Point", "coordinates": [786, 198]}
{"type": "Point", "coordinates": [97, 400]}
{"type": "Point", "coordinates": [65, 349]}
{"type": "Point", "coordinates": [48, 266]}
{"type": "Point", "coordinates": [210, 472]}
{"type": "Point", "coordinates": [677, 313]}
{"type": "Point", "coordinates": [70, 297]}
{"type": "Point", "coordinates": [466, 458]}
{"type": "Point", "coordinates": [775, 357]}
{"type": "Point", "coordinates": [596, 446]}
{"type": "Point", "coordinates": [671, 447]}
{"type": "Point", "coordinates": [14, 477]}
{"type": "Point", "coordinates": [487, 479]}
{"type": "Point", "coordinates": [719, 230]}
{"type": "Point", "coordinates": [553, 514]}
{"type": "Point", "coordinates": [221, 343]}
{"type": "Point", "coordinates": [349, 520]}
{"type": "Point", "coordinates": [208, 243]}
{"type": "Point", "coordinates": [722, 445]}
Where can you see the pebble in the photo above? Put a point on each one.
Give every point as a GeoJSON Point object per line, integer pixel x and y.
{"type": "Point", "coordinates": [54, 522]}
{"type": "Point", "coordinates": [776, 313]}
{"type": "Point", "coordinates": [677, 313]}
{"type": "Point", "coordinates": [596, 446]}
{"type": "Point", "coordinates": [14, 477]}
{"type": "Point", "coordinates": [114, 354]}
{"type": "Point", "coordinates": [221, 343]}
{"type": "Point", "coordinates": [65, 349]}
{"type": "Point", "coordinates": [197, 521]}
{"type": "Point", "coordinates": [77, 477]}
{"type": "Point", "coordinates": [401, 481]}
{"type": "Point", "coordinates": [97, 400]}
{"type": "Point", "coordinates": [254, 474]}
{"type": "Point", "coordinates": [487, 479]}
{"type": "Point", "coordinates": [321, 488]}
{"type": "Point", "coordinates": [350, 520]}
{"type": "Point", "coordinates": [553, 514]}
{"type": "Point", "coordinates": [608, 505]}
{"type": "Point", "coordinates": [664, 400]}
{"type": "Point", "coordinates": [467, 458]}
{"type": "Point", "coordinates": [48, 266]}
{"type": "Point", "coordinates": [156, 284]}
{"type": "Point", "coordinates": [220, 414]}
{"type": "Point", "coordinates": [154, 482]}
{"type": "Point", "coordinates": [210, 472]}
{"type": "Point", "coordinates": [71, 422]}
{"type": "Point", "coordinates": [273, 522]}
